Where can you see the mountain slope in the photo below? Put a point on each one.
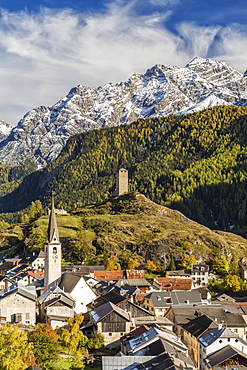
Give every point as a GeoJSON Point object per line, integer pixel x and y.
{"type": "Point", "coordinates": [196, 163]}
{"type": "Point", "coordinates": [161, 91]}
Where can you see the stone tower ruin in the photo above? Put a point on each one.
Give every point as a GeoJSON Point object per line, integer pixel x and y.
{"type": "Point", "coordinates": [122, 182]}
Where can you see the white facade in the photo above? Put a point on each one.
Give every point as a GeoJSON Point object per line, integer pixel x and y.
{"type": "Point", "coordinates": [83, 295]}
{"type": "Point", "coordinates": [18, 304]}
{"type": "Point", "coordinates": [227, 337]}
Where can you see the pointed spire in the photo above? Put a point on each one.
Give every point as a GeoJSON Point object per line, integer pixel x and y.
{"type": "Point", "coordinates": [52, 233]}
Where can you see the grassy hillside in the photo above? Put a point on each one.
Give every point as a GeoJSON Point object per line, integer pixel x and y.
{"type": "Point", "coordinates": [195, 163]}
{"type": "Point", "coordinates": [132, 226]}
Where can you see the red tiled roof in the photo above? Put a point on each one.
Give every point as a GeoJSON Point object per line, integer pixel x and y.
{"type": "Point", "coordinates": [135, 274]}
{"type": "Point", "coordinates": [35, 273]}
{"type": "Point", "coordinates": [109, 275]}
{"type": "Point", "coordinates": [174, 283]}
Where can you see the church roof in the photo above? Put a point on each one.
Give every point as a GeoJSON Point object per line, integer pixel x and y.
{"type": "Point", "coordinates": [52, 233]}
{"type": "Point", "coordinates": [69, 281]}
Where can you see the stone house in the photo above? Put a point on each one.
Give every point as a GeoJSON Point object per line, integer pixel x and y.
{"type": "Point", "coordinates": [200, 275]}
{"type": "Point", "coordinates": [56, 307]}
{"type": "Point", "coordinates": [18, 304]}
{"type": "Point", "coordinates": [193, 330]}
{"type": "Point", "coordinates": [36, 260]}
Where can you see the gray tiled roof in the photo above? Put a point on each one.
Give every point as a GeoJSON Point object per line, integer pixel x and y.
{"type": "Point", "coordinates": [166, 299]}
{"type": "Point", "coordinates": [211, 336]}
{"type": "Point", "coordinates": [99, 313]}
{"type": "Point", "coordinates": [69, 281]}
{"type": "Point", "coordinates": [198, 325]}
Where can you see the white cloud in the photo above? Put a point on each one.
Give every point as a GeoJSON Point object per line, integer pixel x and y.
{"type": "Point", "coordinates": [43, 55]}
{"type": "Point", "coordinates": [197, 40]}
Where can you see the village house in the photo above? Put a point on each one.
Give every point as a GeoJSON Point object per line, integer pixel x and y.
{"type": "Point", "coordinates": [183, 313]}
{"type": "Point", "coordinates": [56, 307]}
{"type": "Point", "coordinates": [193, 330]}
{"type": "Point", "coordinates": [8, 264]}
{"type": "Point", "coordinates": [174, 283]}
{"type": "Point", "coordinates": [78, 289]}
{"type": "Point", "coordinates": [36, 260]}
{"type": "Point", "coordinates": [167, 361]}
{"type": "Point", "coordinates": [82, 270]}
{"type": "Point", "coordinates": [142, 284]}
{"type": "Point", "coordinates": [110, 276]}
{"type": "Point", "coordinates": [18, 304]}
{"type": "Point", "coordinates": [161, 341]}
{"type": "Point", "coordinates": [158, 303]}
{"type": "Point", "coordinates": [200, 275]}
{"type": "Point", "coordinates": [110, 320]}
{"type": "Point", "coordinates": [216, 340]}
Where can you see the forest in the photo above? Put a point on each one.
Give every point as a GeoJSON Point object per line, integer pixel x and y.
{"type": "Point", "coordinates": [194, 163]}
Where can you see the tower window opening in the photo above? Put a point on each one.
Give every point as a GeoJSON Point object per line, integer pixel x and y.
{"type": "Point", "coordinates": [54, 250]}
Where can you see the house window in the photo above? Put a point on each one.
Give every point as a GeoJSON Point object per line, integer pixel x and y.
{"type": "Point", "coordinates": [110, 334]}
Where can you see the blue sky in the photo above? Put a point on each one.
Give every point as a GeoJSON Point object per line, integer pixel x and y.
{"type": "Point", "coordinates": [47, 47]}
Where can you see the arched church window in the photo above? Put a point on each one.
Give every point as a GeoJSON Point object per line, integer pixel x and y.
{"type": "Point", "coordinates": [54, 250]}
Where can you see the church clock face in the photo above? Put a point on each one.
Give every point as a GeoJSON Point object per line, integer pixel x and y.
{"type": "Point", "coordinates": [55, 257]}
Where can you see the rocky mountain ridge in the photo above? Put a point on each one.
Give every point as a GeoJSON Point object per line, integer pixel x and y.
{"type": "Point", "coordinates": [161, 91]}
{"type": "Point", "coordinates": [5, 129]}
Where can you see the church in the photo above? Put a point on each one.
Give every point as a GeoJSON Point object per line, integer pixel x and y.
{"type": "Point", "coordinates": [67, 294]}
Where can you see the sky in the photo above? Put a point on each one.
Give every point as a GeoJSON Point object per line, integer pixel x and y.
{"type": "Point", "coordinates": [47, 47]}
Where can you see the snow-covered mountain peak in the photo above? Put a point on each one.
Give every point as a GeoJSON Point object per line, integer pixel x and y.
{"type": "Point", "coordinates": [5, 129]}
{"type": "Point", "coordinates": [160, 91]}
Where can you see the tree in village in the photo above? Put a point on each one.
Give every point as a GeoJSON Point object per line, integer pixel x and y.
{"type": "Point", "coordinates": [234, 265]}
{"type": "Point", "coordinates": [220, 265]}
{"type": "Point", "coordinates": [15, 351]}
{"type": "Point", "coordinates": [153, 266]}
{"type": "Point", "coordinates": [35, 240]}
{"type": "Point", "coordinates": [35, 210]}
{"type": "Point", "coordinates": [129, 260]}
{"type": "Point", "coordinates": [186, 262]}
{"type": "Point", "coordinates": [83, 247]}
{"type": "Point", "coordinates": [96, 341]}
{"type": "Point", "coordinates": [72, 337]}
{"type": "Point", "coordinates": [45, 346]}
{"type": "Point", "coordinates": [231, 283]}
{"type": "Point", "coordinates": [113, 263]}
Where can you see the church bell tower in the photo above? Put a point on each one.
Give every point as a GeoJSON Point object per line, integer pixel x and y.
{"type": "Point", "coordinates": [52, 252]}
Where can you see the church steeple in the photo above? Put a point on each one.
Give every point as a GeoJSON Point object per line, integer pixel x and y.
{"type": "Point", "coordinates": [52, 251]}
{"type": "Point", "coordinates": [52, 232]}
